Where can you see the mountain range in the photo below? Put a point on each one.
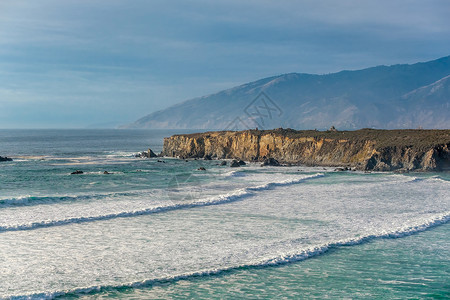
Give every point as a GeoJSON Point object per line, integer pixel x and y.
{"type": "Point", "coordinates": [398, 96]}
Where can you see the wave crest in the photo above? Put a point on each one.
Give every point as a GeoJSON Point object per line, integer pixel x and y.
{"type": "Point", "coordinates": [237, 195]}
{"type": "Point", "coordinates": [280, 260]}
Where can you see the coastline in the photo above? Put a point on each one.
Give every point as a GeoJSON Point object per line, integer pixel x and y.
{"type": "Point", "coordinates": [365, 149]}
{"type": "Point", "coordinates": [252, 225]}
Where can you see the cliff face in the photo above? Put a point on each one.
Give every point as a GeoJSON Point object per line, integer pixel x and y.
{"type": "Point", "coordinates": [378, 150]}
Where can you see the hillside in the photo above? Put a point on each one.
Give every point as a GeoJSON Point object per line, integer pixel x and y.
{"type": "Point", "coordinates": [398, 96]}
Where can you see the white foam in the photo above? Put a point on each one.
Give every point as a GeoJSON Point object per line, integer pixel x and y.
{"type": "Point", "coordinates": [272, 226]}
{"type": "Point", "coordinates": [301, 255]}
{"type": "Point", "coordinates": [236, 195]}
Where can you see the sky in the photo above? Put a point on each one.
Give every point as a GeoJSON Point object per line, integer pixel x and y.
{"type": "Point", "coordinates": [92, 63]}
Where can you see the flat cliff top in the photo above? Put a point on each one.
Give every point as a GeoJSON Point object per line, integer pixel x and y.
{"type": "Point", "coordinates": [416, 138]}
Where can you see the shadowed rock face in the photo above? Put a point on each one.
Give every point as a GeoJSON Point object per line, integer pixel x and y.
{"type": "Point", "coordinates": [146, 154]}
{"type": "Point", "coordinates": [367, 149]}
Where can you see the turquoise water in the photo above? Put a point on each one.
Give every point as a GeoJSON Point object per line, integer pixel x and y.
{"type": "Point", "coordinates": [413, 267]}
{"type": "Point", "coordinates": [161, 228]}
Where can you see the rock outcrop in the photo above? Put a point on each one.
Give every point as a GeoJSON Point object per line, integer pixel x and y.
{"type": "Point", "coordinates": [365, 149]}
{"type": "Point", "coordinates": [5, 158]}
{"type": "Point", "coordinates": [270, 162]}
{"type": "Point", "coordinates": [235, 164]}
{"type": "Point", "coordinates": [146, 154]}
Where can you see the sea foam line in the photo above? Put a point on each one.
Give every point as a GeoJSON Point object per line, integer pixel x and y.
{"type": "Point", "coordinates": [281, 260]}
{"type": "Point", "coordinates": [216, 200]}
{"type": "Point", "coordinates": [37, 200]}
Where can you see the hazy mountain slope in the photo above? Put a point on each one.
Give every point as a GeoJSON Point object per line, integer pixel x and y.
{"type": "Point", "coordinates": [428, 106]}
{"type": "Point", "coordinates": [383, 97]}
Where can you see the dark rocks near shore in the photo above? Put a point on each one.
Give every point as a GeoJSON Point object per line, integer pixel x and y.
{"type": "Point", "coordinates": [223, 163]}
{"type": "Point", "coordinates": [201, 169]}
{"type": "Point", "coordinates": [5, 158]}
{"type": "Point", "coordinates": [342, 169]}
{"type": "Point", "coordinates": [234, 164]}
{"type": "Point", "coordinates": [270, 162]}
{"type": "Point", "coordinates": [146, 154]}
{"type": "Point", "coordinates": [77, 172]}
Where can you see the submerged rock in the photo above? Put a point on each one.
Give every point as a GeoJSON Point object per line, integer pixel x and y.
{"type": "Point", "coordinates": [77, 172]}
{"type": "Point", "coordinates": [201, 169]}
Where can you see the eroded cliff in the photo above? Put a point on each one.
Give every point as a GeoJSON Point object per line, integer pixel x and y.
{"type": "Point", "coordinates": [366, 149]}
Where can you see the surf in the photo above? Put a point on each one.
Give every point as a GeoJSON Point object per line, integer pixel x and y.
{"type": "Point", "coordinates": [295, 256]}
{"type": "Point", "coordinates": [237, 195]}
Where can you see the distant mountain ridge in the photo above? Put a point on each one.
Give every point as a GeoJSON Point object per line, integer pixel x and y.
{"type": "Point", "coordinates": [397, 96]}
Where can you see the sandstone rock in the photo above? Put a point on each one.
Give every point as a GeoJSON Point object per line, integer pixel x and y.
{"type": "Point", "coordinates": [365, 149]}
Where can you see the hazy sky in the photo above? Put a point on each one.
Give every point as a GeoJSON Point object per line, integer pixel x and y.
{"type": "Point", "coordinates": [75, 63]}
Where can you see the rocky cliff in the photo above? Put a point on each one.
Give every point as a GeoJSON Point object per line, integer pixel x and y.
{"type": "Point", "coordinates": [366, 149]}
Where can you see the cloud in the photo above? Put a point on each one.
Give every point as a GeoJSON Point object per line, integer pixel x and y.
{"type": "Point", "coordinates": [138, 56]}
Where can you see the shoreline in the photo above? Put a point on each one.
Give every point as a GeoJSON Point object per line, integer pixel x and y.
{"type": "Point", "coordinates": [364, 150]}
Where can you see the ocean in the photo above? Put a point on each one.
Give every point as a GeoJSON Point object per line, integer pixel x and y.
{"type": "Point", "coordinates": [162, 229]}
